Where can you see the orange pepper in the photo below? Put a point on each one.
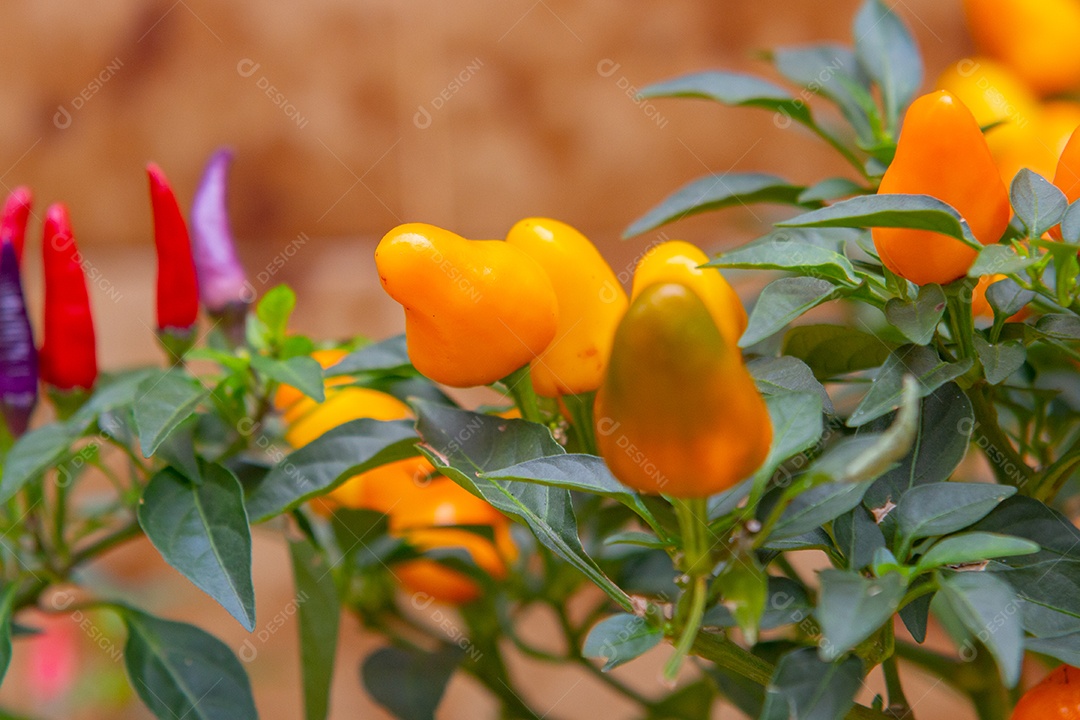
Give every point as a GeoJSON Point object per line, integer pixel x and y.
{"type": "Point", "coordinates": [1057, 697]}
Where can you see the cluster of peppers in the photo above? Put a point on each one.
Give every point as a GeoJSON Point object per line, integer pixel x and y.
{"type": "Point", "coordinates": [204, 267]}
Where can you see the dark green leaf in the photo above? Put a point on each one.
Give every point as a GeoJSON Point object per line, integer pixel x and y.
{"type": "Point", "coordinates": [858, 537]}
{"type": "Point", "coordinates": [994, 259]}
{"type": "Point", "coordinates": [987, 607]}
{"type": "Point", "coordinates": [303, 373]}
{"type": "Point", "coordinates": [686, 703]}
{"type": "Point", "coordinates": [32, 455]}
{"type": "Point", "coordinates": [7, 600]}
{"type": "Point", "coordinates": [781, 375]}
{"type": "Point", "coordinates": [888, 54]}
{"type": "Point", "coordinates": [584, 473]}
{"type": "Point", "coordinates": [973, 547]}
{"type": "Point", "coordinates": [851, 608]}
{"type": "Point", "coordinates": [918, 319]}
{"type": "Point", "coordinates": [923, 363]}
{"type": "Point", "coordinates": [1070, 224]}
{"type": "Point", "coordinates": [715, 192]}
{"type": "Point", "coordinates": [797, 427]}
{"type": "Point", "coordinates": [1064, 648]}
{"type": "Point", "coordinates": [782, 301]}
{"type": "Point", "coordinates": [745, 591]}
{"type": "Point", "coordinates": [1001, 360]}
{"type": "Point", "coordinates": [178, 450]}
{"type": "Point", "coordinates": [832, 71]}
{"type": "Point", "coordinates": [1062, 326]}
{"type": "Point", "coordinates": [619, 639]}
{"type": "Point", "coordinates": [328, 461]}
{"type": "Point", "coordinates": [817, 506]}
{"type": "Point", "coordinates": [465, 445]}
{"type": "Point", "coordinates": [318, 610]}
{"type": "Point", "coordinates": [805, 688]}
{"type": "Point", "coordinates": [390, 355]}
{"type": "Point", "coordinates": [832, 350]}
{"type": "Point", "coordinates": [181, 671]}
{"type": "Point", "coordinates": [918, 212]}
{"type": "Point", "coordinates": [409, 683]}
{"type": "Point", "coordinates": [916, 614]}
{"type": "Point", "coordinates": [804, 251]}
{"type": "Point", "coordinates": [163, 402]}
{"type": "Point", "coordinates": [1038, 204]}
{"type": "Point", "coordinates": [1007, 298]}
{"type": "Point", "coordinates": [202, 531]}
{"type": "Point", "coordinates": [831, 189]}
{"type": "Point", "coordinates": [786, 603]}
{"type": "Point", "coordinates": [943, 508]}
{"type": "Point", "coordinates": [732, 89]}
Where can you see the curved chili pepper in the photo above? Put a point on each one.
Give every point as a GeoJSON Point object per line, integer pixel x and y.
{"type": "Point", "coordinates": [14, 216]}
{"type": "Point", "coordinates": [177, 288]}
{"type": "Point", "coordinates": [18, 356]}
{"type": "Point", "coordinates": [68, 353]}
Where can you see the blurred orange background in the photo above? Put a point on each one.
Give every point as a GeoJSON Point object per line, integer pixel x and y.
{"type": "Point", "coordinates": [348, 118]}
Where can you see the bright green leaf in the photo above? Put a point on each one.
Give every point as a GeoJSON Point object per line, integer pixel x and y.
{"type": "Point", "coordinates": [1003, 259]}
{"type": "Point", "coordinates": [917, 212]}
{"type": "Point", "coordinates": [318, 611]}
{"type": "Point", "coordinates": [809, 252]}
{"type": "Point", "coordinates": [303, 373]}
{"type": "Point", "coordinates": [973, 547]}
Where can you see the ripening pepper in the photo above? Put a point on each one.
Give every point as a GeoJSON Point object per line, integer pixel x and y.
{"type": "Point", "coordinates": [1067, 176]}
{"type": "Point", "coordinates": [475, 310]}
{"type": "Point", "coordinates": [223, 286]}
{"type": "Point", "coordinates": [678, 412]}
{"type": "Point", "coordinates": [13, 219]}
{"type": "Point", "coordinates": [942, 152]}
{"type": "Point", "coordinates": [177, 288]}
{"type": "Point", "coordinates": [18, 355]}
{"type": "Point", "coordinates": [1036, 38]}
{"type": "Point", "coordinates": [591, 301]}
{"type": "Point", "coordinates": [1056, 697]}
{"type": "Point", "coordinates": [680, 262]}
{"type": "Point", "coordinates": [68, 352]}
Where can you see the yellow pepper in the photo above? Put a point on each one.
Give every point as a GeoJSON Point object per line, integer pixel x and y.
{"type": "Point", "coordinates": [590, 300]}
{"type": "Point", "coordinates": [680, 262]}
{"type": "Point", "coordinates": [941, 152]}
{"type": "Point", "coordinates": [678, 412]}
{"type": "Point", "coordinates": [1067, 176]}
{"type": "Point", "coordinates": [475, 310]}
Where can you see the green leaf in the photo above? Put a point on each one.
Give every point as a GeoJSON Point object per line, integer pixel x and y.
{"type": "Point", "coordinates": [782, 301]}
{"type": "Point", "coordinates": [1070, 224]}
{"type": "Point", "coordinates": [1061, 326]}
{"type": "Point", "coordinates": [163, 403]}
{"type": "Point", "coordinates": [583, 473]}
{"type": "Point", "coordinates": [1064, 648]}
{"type": "Point", "coordinates": [390, 355]}
{"type": "Point", "coordinates": [1007, 298]}
{"type": "Point", "coordinates": [946, 422]}
{"type": "Point", "coordinates": [318, 611]}
{"type": "Point", "coordinates": [805, 251]}
{"type": "Point", "coordinates": [202, 531]}
{"type": "Point", "coordinates": [832, 71]}
{"type": "Point", "coordinates": [832, 350]}
{"type": "Point", "coordinates": [786, 603]}
{"type": "Point", "coordinates": [851, 608]}
{"type": "Point", "coordinates": [797, 427]}
{"type": "Point", "coordinates": [1001, 360]}
{"type": "Point", "coordinates": [32, 455]}
{"type": "Point", "coordinates": [274, 310]}
{"type": "Point", "coordinates": [409, 683]}
{"type": "Point", "coordinates": [734, 89]}
{"type": "Point", "coordinates": [7, 601]}
{"type": "Point", "coordinates": [715, 192]}
{"type": "Point", "coordinates": [181, 671]}
{"type": "Point", "coordinates": [888, 54]}
{"type": "Point", "coordinates": [783, 375]}
{"type": "Point", "coordinates": [814, 507]}
{"type": "Point", "coordinates": [619, 639]}
{"type": "Point", "coordinates": [918, 319]}
{"type": "Point", "coordinates": [329, 460]}
{"type": "Point", "coordinates": [922, 363]}
{"type": "Point", "coordinates": [943, 508]}
{"type": "Point", "coordinates": [917, 212]}
{"type": "Point", "coordinates": [831, 189]}
{"type": "Point", "coordinates": [858, 537]}
{"type": "Point", "coordinates": [1038, 204]}
{"type": "Point", "coordinates": [303, 373]}
{"type": "Point", "coordinates": [465, 445]}
{"type": "Point", "coordinates": [744, 586]}
{"type": "Point", "coordinates": [803, 687]}
{"type": "Point", "coordinates": [999, 259]}
{"type": "Point", "coordinates": [987, 608]}
{"type": "Point", "coordinates": [973, 547]}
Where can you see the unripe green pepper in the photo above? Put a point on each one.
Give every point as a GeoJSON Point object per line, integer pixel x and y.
{"type": "Point", "coordinates": [591, 302]}
{"type": "Point", "coordinates": [678, 412]}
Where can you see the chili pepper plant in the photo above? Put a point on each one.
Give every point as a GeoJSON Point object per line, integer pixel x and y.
{"type": "Point", "coordinates": [789, 505]}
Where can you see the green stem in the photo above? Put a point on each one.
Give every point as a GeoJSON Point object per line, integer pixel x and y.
{"type": "Point", "coordinates": [580, 408]}
{"type": "Point", "coordinates": [898, 703]}
{"type": "Point", "coordinates": [519, 385]}
{"type": "Point", "coordinates": [693, 517]}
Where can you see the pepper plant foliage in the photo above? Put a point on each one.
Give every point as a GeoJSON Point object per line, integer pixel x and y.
{"type": "Point", "coordinates": [871, 420]}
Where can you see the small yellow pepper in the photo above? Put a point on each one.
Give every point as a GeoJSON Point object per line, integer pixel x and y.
{"type": "Point", "coordinates": [678, 412]}
{"type": "Point", "coordinates": [475, 310]}
{"type": "Point", "coordinates": [590, 299]}
{"type": "Point", "coordinates": [680, 262]}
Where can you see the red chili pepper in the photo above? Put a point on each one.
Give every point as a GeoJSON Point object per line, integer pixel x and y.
{"type": "Point", "coordinates": [14, 216]}
{"type": "Point", "coordinates": [177, 288]}
{"type": "Point", "coordinates": [68, 353]}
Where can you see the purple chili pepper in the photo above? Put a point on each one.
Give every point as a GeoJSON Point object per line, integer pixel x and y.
{"type": "Point", "coordinates": [223, 286]}
{"type": "Point", "coordinates": [18, 354]}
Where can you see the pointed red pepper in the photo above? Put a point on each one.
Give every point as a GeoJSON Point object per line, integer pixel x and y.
{"type": "Point", "coordinates": [68, 354]}
{"type": "Point", "coordinates": [18, 356]}
{"type": "Point", "coordinates": [177, 288]}
{"type": "Point", "coordinates": [14, 216]}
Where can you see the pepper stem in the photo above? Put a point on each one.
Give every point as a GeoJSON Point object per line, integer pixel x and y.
{"type": "Point", "coordinates": [519, 385]}
{"type": "Point", "coordinates": [693, 517]}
